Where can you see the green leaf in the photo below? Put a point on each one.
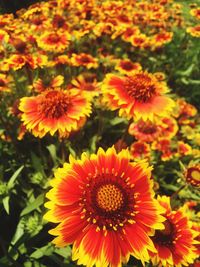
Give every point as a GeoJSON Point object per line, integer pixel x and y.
{"type": "Point", "coordinates": [188, 71]}
{"type": "Point", "coordinates": [19, 233]}
{"type": "Point", "coordinates": [117, 121]}
{"type": "Point", "coordinates": [33, 205]}
{"type": "Point", "coordinates": [64, 252]}
{"type": "Point", "coordinates": [43, 251]}
{"type": "Point", "coordinates": [37, 164]}
{"type": "Point", "coordinates": [6, 203]}
{"type": "Point", "coordinates": [52, 150]}
{"type": "Point", "coordinates": [182, 166]}
{"type": "Point", "coordinates": [4, 262]}
{"type": "Point", "coordinates": [11, 182]}
{"type": "Point", "coordinates": [71, 150]}
{"type": "Point", "coordinates": [93, 143]}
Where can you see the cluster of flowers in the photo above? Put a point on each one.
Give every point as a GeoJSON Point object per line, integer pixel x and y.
{"type": "Point", "coordinates": [105, 203]}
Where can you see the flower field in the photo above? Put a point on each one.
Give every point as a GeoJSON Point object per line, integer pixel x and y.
{"type": "Point", "coordinates": [100, 134]}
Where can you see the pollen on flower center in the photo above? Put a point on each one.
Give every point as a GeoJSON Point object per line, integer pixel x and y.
{"type": "Point", "coordinates": [109, 197]}
{"type": "Point", "coordinates": [140, 86]}
{"type": "Point", "coordinates": [54, 104]}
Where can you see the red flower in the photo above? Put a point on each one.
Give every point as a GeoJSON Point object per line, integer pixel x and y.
{"type": "Point", "coordinates": [104, 205]}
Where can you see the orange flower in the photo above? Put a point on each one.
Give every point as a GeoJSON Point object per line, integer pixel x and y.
{"type": "Point", "coordinates": [42, 85]}
{"type": "Point", "coordinates": [61, 60]}
{"type": "Point", "coordinates": [185, 109]}
{"type": "Point", "coordinates": [164, 146]}
{"type": "Point", "coordinates": [140, 150]}
{"type": "Point", "coordinates": [20, 44]}
{"type": "Point", "coordinates": [146, 131]}
{"type": "Point", "coordinates": [175, 244]}
{"type": "Point", "coordinates": [4, 37]}
{"type": "Point", "coordinates": [85, 60]}
{"type": "Point", "coordinates": [104, 205]}
{"type": "Point", "coordinates": [149, 131]}
{"type": "Point", "coordinates": [140, 40]}
{"type": "Point", "coordinates": [86, 82]}
{"type": "Point", "coordinates": [16, 62]}
{"type": "Point", "coordinates": [55, 110]}
{"type": "Point", "coordinates": [140, 95]}
{"type": "Point", "coordinates": [5, 83]}
{"type": "Point", "coordinates": [161, 38]}
{"type": "Point", "coordinates": [59, 22]}
{"type": "Point", "coordinates": [195, 12]}
{"type": "Point", "coordinates": [126, 66]}
{"type": "Point", "coordinates": [194, 31]}
{"type": "Point", "coordinates": [129, 33]}
{"type": "Point", "coordinates": [54, 41]}
{"type": "Point", "coordinates": [192, 174]}
{"type": "Point", "coordinates": [183, 149]}
{"type": "Point", "coordinates": [169, 127]}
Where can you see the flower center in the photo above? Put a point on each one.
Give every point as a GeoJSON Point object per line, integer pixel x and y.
{"type": "Point", "coordinates": [54, 104]}
{"type": "Point", "coordinates": [109, 197]}
{"type": "Point", "coordinates": [85, 59]}
{"type": "Point", "coordinates": [147, 127]}
{"type": "Point", "coordinates": [58, 21]}
{"type": "Point", "coordinates": [53, 38]}
{"type": "Point", "coordinates": [141, 87]}
{"type": "Point", "coordinates": [196, 175]}
{"type": "Point", "coordinates": [165, 237]}
{"type": "Point", "coordinates": [2, 83]}
{"type": "Point", "coordinates": [193, 175]}
{"type": "Point", "coordinates": [108, 201]}
{"type": "Point", "coordinates": [139, 148]}
{"type": "Point", "coordinates": [127, 65]}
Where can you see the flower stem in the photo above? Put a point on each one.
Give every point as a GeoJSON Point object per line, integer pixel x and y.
{"type": "Point", "coordinates": [178, 191]}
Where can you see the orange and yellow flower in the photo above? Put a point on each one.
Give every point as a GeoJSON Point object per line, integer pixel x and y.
{"type": "Point", "coordinates": [55, 110]}
{"type": "Point", "coordinates": [85, 60]}
{"type": "Point", "coordinates": [183, 149]}
{"type": "Point", "coordinates": [129, 32]}
{"type": "Point", "coordinates": [185, 109]}
{"type": "Point", "coordinates": [54, 41]}
{"type": "Point", "coordinates": [140, 150]}
{"type": "Point", "coordinates": [42, 85]}
{"type": "Point", "coordinates": [104, 205]}
{"type": "Point", "coordinates": [146, 131]}
{"type": "Point", "coordinates": [5, 83]}
{"type": "Point", "coordinates": [165, 147]}
{"type": "Point", "coordinates": [140, 95]}
{"type": "Point", "coordinates": [86, 82]}
{"type": "Point", "coordinates": [194, 31]}
{"type": "Point", "coordinates": [4, 37]}
{"type": "Point", "coordinates": [161, 38]}
{"type": "Point", "coordinates": [174, 244]}
{"type": "Point", "coordinates": [169, 127]}
{"type": "Point", "coordinates": [140, 40]}
{"type": "Point", "coordinates": [126, 66]}
{"type": "Point", "coordinates": [195, 12]}
{"type": "Point", "coordinates": [16, 61]}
